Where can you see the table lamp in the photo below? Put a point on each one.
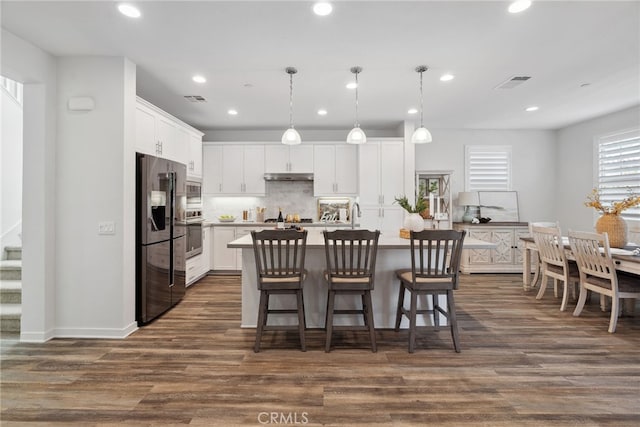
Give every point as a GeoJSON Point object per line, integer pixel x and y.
{"type": "Point", "coordinates": [468, 199]}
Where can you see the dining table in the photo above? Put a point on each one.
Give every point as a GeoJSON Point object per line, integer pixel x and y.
{"type": "Point", "coordinates": [623, 258]}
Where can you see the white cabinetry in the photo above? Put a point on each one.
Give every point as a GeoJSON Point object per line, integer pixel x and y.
{"type": "Point", "coordinates": [160, 134]}
{"type": "Point", "coordinates": [335, 170]}
{"type": "Point", "coordinates": [224, 258]}
{"type": "Point", "coordinates": [288, 158]}
{"type": "Point", "coordinates": [505, 258]}
{"type": "Point", "coordinates": [212, 169]}
{"type": "Point", "coordinates": [381, 178]}
{"type": "Point", "coordinates": [234, 170]}
{"type": "Point", "coordinates": [243, 170]}
{"type": "Point", "coordinates": [194, 163]}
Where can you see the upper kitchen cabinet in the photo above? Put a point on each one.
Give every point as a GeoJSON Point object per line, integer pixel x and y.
{"type": "Point", "coordinates": [381, 172]}
{"type": "Point", "coordinates": [212, 169]}
{"type": "Point", "coordinates": [194, 165]}
{"type": "Point", "coordinates": [242, 170]}
{"type": "Point", "coordinates": [162, 135]}
{"type": "Point", "coordinates": [288, 158]}
{"type": "Point", "coordinates": [335, 170]}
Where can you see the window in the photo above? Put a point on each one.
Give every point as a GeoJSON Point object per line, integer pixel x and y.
{"type": "Point", "coordinates": [619, 168]}
{"type": "Point", "coordinates": [487, 167]}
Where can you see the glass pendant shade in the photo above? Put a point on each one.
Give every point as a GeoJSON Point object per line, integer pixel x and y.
{"type": "Point", "coordinates": [356, 136]}
{"type": "Point", "coordinates": [291, 137]}
{"type": "Point", "coordinates": [421, 136]}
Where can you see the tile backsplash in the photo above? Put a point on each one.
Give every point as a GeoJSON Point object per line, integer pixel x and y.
{"type": "Point", "coordinates": [292, 197]}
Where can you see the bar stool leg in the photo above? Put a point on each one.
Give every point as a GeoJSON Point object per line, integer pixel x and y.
{"type": "Point", "coordinates": [412, 321]}
{"type": "Point", "coordinates": [453, 320]}
{"type": "Point", "coordinates": [400, 305]}
{"type": "Point", "coordinates": [330, 302]}
{"type": "Point", "coordinates": [262, 319]}
{"type": "Point", "coordinates": [301, 321]}
{"type": "Point", "coordinates": [369, 321]}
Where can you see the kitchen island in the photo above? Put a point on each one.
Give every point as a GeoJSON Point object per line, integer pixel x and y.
{"type": "Point", "coordinates": [393, 254]}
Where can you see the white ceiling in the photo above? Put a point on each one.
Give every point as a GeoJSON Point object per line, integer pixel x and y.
{"type": "Point", "coordinates": [243, 47]}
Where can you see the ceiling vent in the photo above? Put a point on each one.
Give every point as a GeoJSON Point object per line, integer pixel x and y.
{"type": "Point", "coordinates": [513, 82]}
{"type": "Point", "coordinates": [195, 98]}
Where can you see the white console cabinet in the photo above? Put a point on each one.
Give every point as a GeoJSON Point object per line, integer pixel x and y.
{"type": "Point", "coordinates": [506, 258]}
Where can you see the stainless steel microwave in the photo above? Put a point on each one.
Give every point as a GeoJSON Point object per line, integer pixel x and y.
{"type": "Point", "coordinates": [194, 195]}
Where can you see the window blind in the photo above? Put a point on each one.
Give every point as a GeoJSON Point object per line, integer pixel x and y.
{"type": "Point", "coordinates": [488, 168]}
{"type": "Point", "coordinates": [619, 169]}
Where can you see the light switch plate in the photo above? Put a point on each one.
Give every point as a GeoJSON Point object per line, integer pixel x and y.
{"type": "Point", "coordinates": [107, 228]}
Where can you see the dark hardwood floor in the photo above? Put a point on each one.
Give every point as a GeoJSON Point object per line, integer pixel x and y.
{"type": "Point", "coordinates": [523, 363]}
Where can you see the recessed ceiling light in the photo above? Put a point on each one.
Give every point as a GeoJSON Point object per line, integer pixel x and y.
{"type": "Point", "coordinates": [352, 85]}
{"type": "Point", "coordinates": [232, 112]}
{"type": "Point", "coordinates": [532, 108]}
{"type": "Point", "coordinates": [199, 79]}
{"type": "Point", "coordinates": [519, 5]}
{"type": "Point", "coordinates": [446, 77]}
{"type": "Point", "coordinates": [322, 8]}
{"type": "Point", "coordinates": [322, 112]}
{"type": "Point", "coordinates": [129, 10]}
{"type": "Point", "coordinates": [413, 111]}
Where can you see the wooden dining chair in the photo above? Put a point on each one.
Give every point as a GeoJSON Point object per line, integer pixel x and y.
{"type": "Point", "coordinates": [538, 264]}
{"type": "Point", "coordinates": [435, 261]}
{"type": "Point", "coordinates": [280, 256]}
{"type": "Point", "coordinates": [351, 266]}
{"type": "Point", "coordinates": [598, 273]}
{"type": "Point", "coordinates": [554, 262]}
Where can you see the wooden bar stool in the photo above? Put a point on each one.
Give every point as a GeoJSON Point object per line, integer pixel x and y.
{"type": "Point", "coordinates": [435, 261]}
{"type": "Point", "coordinates": [280, 267]}
{"type": "Point", "coordinates": [351, 263]}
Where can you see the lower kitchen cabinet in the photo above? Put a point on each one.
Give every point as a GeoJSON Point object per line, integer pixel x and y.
{"type": "Point", "coordinates": [506, 258]}
{"type": "Point", "coordinates": [223, 258]}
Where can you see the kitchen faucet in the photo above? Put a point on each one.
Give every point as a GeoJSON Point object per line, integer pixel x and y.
{"type": "Point", "coordinates": [353, 217]}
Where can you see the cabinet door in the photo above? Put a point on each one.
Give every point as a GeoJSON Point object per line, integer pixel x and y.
{"type": "Point", "coordinates": [146, 141]}
{"type": "Point", "coordinates": [194, 165]}
{"type": "Point", "coordinates": [166, 137]}
{"type": "Point", "coordinates": [232, 176]}
{"type": "Point", "coordinates": [223, 257]}
{"type": "Point", "coordinates": [503, 254]}
{"type": "Point", "coordinates": [519, 244]}
{"type": "Point", "coordinates": [301, 158]}
{"type": "Point", "coordinates": [392, 220]}
{"type": "Point", "coordinates": [346, 169]}
{"type": "Point", "coordinates": [371, 217]}
{"type": "Point", "coordinates": [206, 250]}
{"type": "Point", "coordinates": [369, 174]}
{"type": "Point", "coordinates": [324, 170]}
{"type": "Point", "coordinates": [253, 166]}
{"type": "Point", "coordinates": [179, 146]}
{"type": "Point", "coordinates": [276, 158]}
{"type": "Point", "coordinates": [212, 169]}
{"type": "Point", "coordinates": [480, 256]}
{"type": "Point", "coordinates": [391, 171]}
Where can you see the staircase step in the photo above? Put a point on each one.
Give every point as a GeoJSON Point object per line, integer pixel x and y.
{"type": "Point", "coordinates": [13, 252]}
{"type": "Point", "coordinates": [11, 269]}
{"type": "Point", "coordinates": [10, 317]}
{"type": "Point", "coordinates": [10, 292]}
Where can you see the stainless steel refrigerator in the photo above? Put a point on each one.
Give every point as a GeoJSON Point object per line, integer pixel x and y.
{"type": "Point", "coordinates": [160, 235]}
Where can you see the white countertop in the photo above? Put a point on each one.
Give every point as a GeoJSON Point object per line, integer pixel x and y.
{"type": "Point", "coordinates": [240, 223]}
{"type": "Point", "coordinates": [315, 240]}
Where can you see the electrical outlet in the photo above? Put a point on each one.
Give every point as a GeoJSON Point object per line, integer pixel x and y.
{"type": "Point", "coordinates": [107, 228]}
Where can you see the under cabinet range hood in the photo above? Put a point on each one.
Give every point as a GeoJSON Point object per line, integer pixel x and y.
{"type": "Point", "coordinates": [288, 176]}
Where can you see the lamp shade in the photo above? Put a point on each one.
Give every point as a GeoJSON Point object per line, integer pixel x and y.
{"type": "Point", "coordinates": [468, 198]}
{"type": "Point", "coordinates": [421, 136]}
{"type": "Point", "coordinates": [291, 137]}
{"type": "Point", "coordinates": [356, 136]}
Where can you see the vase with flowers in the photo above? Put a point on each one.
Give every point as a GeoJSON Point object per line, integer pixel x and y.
{"type": "Point", "coordinates": [611, 221]}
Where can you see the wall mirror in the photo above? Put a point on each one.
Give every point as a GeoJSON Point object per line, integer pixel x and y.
{"type": "Point", "coordinates": [500, 206]}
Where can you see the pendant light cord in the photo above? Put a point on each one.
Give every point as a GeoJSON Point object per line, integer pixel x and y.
{"type": "Point", "coordinates": [421, 102]}
{"type": "Point", "coordinates": [357, 124]}
{"type": "Point", "coordinates": [291, 100]}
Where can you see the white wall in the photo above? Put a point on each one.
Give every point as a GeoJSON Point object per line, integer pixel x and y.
{"type": "Point", "coordinates": [533, 165]}
{"type": "Point", "coordinates": [36, 69]}
{"type": "Point", "coordinates": [266, 135]}
{"type": "Point", "coordinates": [11, 171]}
{"type": "Point", "coordinates": [576, 174]}
{"type": "Point", "coordinates": [96, 182]}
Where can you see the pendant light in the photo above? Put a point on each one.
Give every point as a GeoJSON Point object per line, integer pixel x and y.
{"type": "Point", "coordinates": [422, 134]}
{"type": "Point", "coordinates": [291, 136]}
{"type": "Point", "coordinates": [357, 135]}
